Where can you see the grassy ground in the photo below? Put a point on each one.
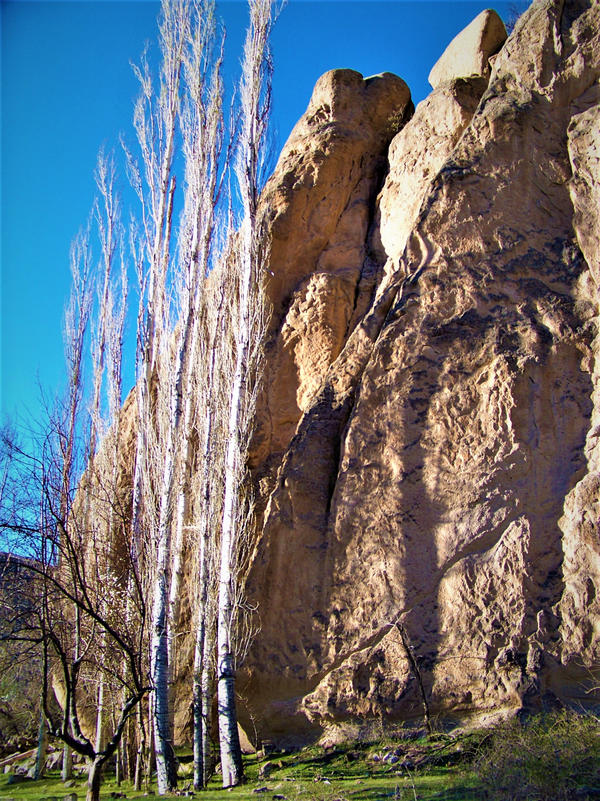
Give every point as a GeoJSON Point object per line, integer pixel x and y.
{"type": "Point", "coordinates": [424, 769]}
{"type": "Point", "coordinates": [551, 757]}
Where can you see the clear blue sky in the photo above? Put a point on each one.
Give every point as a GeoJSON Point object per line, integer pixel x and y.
{"type": "Point", "coordinates": [67, 89]}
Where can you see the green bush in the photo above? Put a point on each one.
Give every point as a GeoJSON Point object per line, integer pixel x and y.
{"type": "Point", "coordinates": [552, 757]}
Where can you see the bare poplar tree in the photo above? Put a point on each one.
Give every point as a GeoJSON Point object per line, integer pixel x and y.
{"type": "Point", "coordinates": [211, 390]}
{"type": "Point", "coordinates": [86, 540]}
{"type": "Point", "coordinates": [100, 500]}
{"type": "Point", "coordinates": [202, 141]}
{"type": "Point", "coordinates": [248, 321]}
{"type": "Point", "coordinates": [155, 122]}
{"type": "Point", "coordinates": [77, 318]}
{"type": "Point", "coordinates": [76, 647]}
{"type": "Point", "coordinates": [188, 108]}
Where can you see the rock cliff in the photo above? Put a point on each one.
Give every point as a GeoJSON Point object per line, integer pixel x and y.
{"type": "Point", "coordinates": [426, 447]}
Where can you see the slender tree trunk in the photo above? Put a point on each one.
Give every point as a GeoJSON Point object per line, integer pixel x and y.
{"type": "Point", "coordinates": [205, 640]}
{"type": "Point", "coordinates": [67, 763]}
{"type": "Point", "coordinates": [139, 770]}
{"type": "Point", "coordinates": [42, 748]}
{"type": "Point", "coordinates": [155, 120]}
{"type": "Point", "coordinates": [207, 692]}
{"type": "Point", "coordinates": [141, 749]}
{"type": "Point", "coordinates": [100, 715]}
{"type": "Point", "coordinates": [177, 561]}
{"type": "Point", "coordinates": [139, 759]}
{"type": "Point", "coordinates": [94, 779]}
{"type": "Point", "coordinates": [197, 705]}
{"type": "Point", "coordinates": [166, 772]}
{"type": "Point", "coordinates": [203, 671]}
{"type": "Point", "coordinates": [417, 672]}
{"type": "Point", "coordinates": [231, 754]}
{"type": "Point", "coordinates": [254, 97]}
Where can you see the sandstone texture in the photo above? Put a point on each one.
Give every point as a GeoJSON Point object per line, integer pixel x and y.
{"type": "Point", "coordinates": [415, 157]}
{"type": "Point", "coordinates": [318, 207]}
{"type": "Point", "coordinates": [470, 51]}
{"type": "Point", "coordinates": [427, 444]}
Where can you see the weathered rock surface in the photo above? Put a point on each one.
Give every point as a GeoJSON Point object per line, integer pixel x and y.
{"type": "Point", "coordinates": [416, 155]}
{"type": "Point", "coordinates": [318, 208]}
{"type": "Point", "coordinates": [470, 51]}
{"type": "Point", "coordinates": [427, 448]}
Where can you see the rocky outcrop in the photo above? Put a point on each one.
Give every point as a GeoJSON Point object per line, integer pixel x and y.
{"type": "Point", "coordinates": [426, 447]}
{"type": "Point", "coordinates": [317, 210]}
{"type": "Point", "coordinates": [469, 53]}
{"type": "Point", "coordinates": [415, 157]}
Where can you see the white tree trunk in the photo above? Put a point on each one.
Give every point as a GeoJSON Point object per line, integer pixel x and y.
{"type": "Point", "coordinates": [231, 755]}
{"type": "Point", "coordinates": [42, 748]}
{"type": "Point", "coordinates": [207, 690]}
{"type": "Point", "coordinates": [157, 114]}
{"type": "Point", "coordinates": [165, 757]}
{"type": "Point", "coordinates": [254, 94]}
{"type": "Point", "coordinates": [66, 772]}
{"type": "Point", "coordinates": [197, 700]}
{"type": "Point", "coordinates": [203, 685]}
{"type": "Point", "coordinates": [100, 715]}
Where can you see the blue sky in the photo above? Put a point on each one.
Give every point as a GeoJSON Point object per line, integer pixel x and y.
{"type": "Point", "coordinates": [67, 89]}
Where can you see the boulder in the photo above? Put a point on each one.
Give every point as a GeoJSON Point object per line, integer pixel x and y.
{"type": "Point", "coordinates": [470, 51]}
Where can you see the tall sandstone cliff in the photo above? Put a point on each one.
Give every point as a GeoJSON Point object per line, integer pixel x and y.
{"type": "Point", "coordinates": [426, 446]}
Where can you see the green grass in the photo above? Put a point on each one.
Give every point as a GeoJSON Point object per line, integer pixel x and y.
{"type": "Point", "coordinates": [343, 773]}
{"type": "Point", "coordinates": [51, 786]}
{"type": "Point", "coordinates": [503, 764]}
{"type": "Point", "coordinates": [350, 773]}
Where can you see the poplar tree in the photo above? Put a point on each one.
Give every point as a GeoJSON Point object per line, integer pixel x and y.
{"type": "Point", "coordinates": [201, 315]}
{"type": "Point", "coordinates": [156, 124]}
{"type": "Point", "coordinates": [249, 326]}
{"type": "Point", "coordinates": [188, 108]}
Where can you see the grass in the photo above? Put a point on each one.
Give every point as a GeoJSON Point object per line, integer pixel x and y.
{"type": "Point", "coordinates": [466, 767]}
{"type": "Point", "coordinates": [352, 772]}
{"type": "Point", "coordinates": [552, 757]}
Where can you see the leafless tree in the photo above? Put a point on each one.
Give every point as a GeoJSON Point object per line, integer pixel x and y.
{"type": "Point", "coordinates": [155, 121]}
{"type": "Point", "coordinates": [81, 566]}
{"type": "Point", "coordinates": [80, 621]}
{"type": "Point", "coordinates": [211, 390]}
{"type": "Point", "coordinates": [188, 109]}
{"type": "Point", "coordinates": [248, 330]}
{"type": "Point", "coordinates": [106, 555]}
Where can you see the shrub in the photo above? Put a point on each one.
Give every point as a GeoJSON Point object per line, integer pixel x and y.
{"type": "Point", "coordinates": [551, 757]}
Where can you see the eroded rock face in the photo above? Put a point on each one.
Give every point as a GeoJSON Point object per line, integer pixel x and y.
{"type": "Point", "coordinates": [318, 207]}
{"type": "Point", "coordinates": [427, 449]}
